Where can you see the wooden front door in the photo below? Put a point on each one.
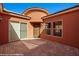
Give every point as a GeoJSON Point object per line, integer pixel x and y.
{"type": "Point", "coordinates": [36, 31]}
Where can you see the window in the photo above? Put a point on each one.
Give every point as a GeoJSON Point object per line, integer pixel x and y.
{"type": "Point", "coordinates": [48, 28]}
{"type": "Point", "coordinates": [57, 28]}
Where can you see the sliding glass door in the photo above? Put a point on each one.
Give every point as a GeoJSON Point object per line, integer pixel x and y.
{"type": "Point", "coordinates": [23, 30]}
{"type": "Point", "coordinates": [17, 31]}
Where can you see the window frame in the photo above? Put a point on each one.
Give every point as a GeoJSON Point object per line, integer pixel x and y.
{"type": "Point", "coordinates": [46, 29]}
{"type": "Point", "coordinates": [54, 28]}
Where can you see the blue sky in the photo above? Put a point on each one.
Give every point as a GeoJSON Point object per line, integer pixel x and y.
{"type": "Point", "coordinates": [51, 7]}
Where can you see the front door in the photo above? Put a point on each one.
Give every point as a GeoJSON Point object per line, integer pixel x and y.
{"type": "Point", "coordinates": [36, 30]}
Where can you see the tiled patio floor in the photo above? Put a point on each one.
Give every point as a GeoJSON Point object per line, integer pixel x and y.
{"type": "Point", "coordinates": [38, 48]}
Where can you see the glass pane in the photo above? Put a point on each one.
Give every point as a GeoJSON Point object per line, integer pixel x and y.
{"type": "Point", "coordinates": [48, 25]}
{"type": "Point", "coordinates": [57, 33]}
{"type": "Point", "coordinates": [23, 30]}
{"type": "Point", "coordinates": [48, 31]}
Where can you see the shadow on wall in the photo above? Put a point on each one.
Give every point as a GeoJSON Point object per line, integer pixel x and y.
{"type": "Point", "coordinates": [13, 34]}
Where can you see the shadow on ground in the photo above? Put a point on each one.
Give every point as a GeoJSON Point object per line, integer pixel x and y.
{"type": "Point", "coordinates": [37, 48]}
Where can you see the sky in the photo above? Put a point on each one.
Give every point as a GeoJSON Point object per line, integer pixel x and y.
{"type": "Point", "coordinates": [51, 7]}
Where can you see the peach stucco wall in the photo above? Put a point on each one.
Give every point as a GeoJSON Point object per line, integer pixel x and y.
{"type": "Point", "coordinates": [18, 19]}
{"type": "Point", "coordinates": [30, 31]}
{"type": "Point", "coordinates": [35, 18]}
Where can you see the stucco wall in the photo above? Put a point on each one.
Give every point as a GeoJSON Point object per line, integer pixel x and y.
{"type": "Point", "coordinates": [35, 18]}
{"type": "Point", "coordinates": [70, 29]}
{"type": "Point", "coordinates": [4, 29]}
{"type": "Point", "coordinates": [4, 24]}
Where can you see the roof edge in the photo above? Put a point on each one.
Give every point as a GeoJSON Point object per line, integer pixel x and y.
{"type": "Point", "coordinates": [5, 11]}
{"type": "Point", "coordinates": [36, 8]}
{"type": "Point", "coordinates": [62, 12]}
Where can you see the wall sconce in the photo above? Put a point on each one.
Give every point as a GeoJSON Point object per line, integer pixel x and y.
{"type": "Point", "coordinates": [1, 18]}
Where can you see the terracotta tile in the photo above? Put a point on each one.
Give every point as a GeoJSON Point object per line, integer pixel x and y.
{"type": "Point", "coordinates": [38, 48]}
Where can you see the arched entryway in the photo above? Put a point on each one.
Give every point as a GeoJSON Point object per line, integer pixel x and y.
{"type": "Point", "coordinates": [35, 21]}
